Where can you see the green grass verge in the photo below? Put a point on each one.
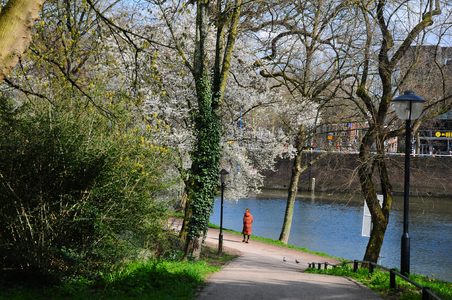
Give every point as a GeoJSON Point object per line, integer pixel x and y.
{"type": "Point", "coordinates": [379, 282]}
{"type": "Point", "coordinates": [167, 278]}
{"type": "Point", "coordinates": [140, 280]}
{"type": "Point", "coordinates": [274, 242]}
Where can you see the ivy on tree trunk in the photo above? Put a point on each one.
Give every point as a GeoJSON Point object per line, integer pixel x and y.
{"type": "Point", "coordinates": [206, 154]}
{"type": "Point", "coordinates": [206, 163]}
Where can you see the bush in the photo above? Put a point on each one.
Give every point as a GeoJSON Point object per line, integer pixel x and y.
{"type": "Point", "coordinates": [78, 190]}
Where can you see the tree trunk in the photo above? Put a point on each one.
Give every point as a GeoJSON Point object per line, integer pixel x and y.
{"type": "Point", "coordinates": [205, 168]}
{"type": "Point", "coordinates": [418, 143]}
{"type": "Point", "coordinates": [184, 229]}
{"type": "Point", "coordinates": [207, 152]}
{"type": "Point", "coordinates": [193, 248]}
{"type": "Point", "coordinates": [16, 21]}
{"type": "Point", "coordinates": [376, 239]}
{"type": "Point", "coordinates": [380, 216]}
{"type": "Point", "coordinates": [293, 188]}
{"type": "Point", "coordinates": [183, 201]}
{"type": "Point", "coordinates": [378, 221]}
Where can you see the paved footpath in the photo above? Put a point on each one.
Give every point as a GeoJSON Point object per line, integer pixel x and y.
{"type": "Point", "coordinates": [260, 273]}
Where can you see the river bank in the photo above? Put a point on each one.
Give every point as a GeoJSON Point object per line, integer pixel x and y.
{"type": "Point", "coordinates": [337, 172]}
{"type": "Point", "coordinates": [331, 223]}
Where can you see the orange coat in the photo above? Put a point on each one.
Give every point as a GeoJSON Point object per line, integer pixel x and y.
{"type": "Point", "coordinates": [247, 220]}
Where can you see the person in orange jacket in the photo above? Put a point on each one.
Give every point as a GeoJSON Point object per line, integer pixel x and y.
{"type": "Point", "coordinates": [247, 220]}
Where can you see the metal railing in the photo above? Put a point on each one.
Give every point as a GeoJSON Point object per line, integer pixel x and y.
{"type": "Point", "coordinates": [426, 293]}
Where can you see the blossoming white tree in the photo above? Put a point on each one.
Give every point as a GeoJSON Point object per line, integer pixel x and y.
{"type": "Point", "coordinates": [309, 56]}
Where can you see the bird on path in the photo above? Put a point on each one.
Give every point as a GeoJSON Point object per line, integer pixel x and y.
{"type": "Point", "coordinates": [297, 261]}
{"type": "Point", "coordinates": [284, 259]}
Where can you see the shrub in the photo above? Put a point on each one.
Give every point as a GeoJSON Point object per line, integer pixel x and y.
{"type": "Point", "coordinates": [78, 190]}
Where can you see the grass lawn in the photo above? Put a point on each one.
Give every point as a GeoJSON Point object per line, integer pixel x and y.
{"type": "Point", "coordinates": [154, 279]}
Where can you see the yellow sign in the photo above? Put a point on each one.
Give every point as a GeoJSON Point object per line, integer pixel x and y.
{"type": "Point", "coordinates": [330, 137]}
{"type": "Point", "coordinates": [443, 134]}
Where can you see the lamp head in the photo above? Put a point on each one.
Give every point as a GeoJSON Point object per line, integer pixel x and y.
{"type": "Point", "coordinates": [408, 106]}
{"type": "Point", "coordinates": [223, 174]}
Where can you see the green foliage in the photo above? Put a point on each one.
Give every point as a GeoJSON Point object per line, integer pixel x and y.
{"type": "Point", "coordinates": [379, 281]}
{"type": "Point", "coordinates": [206, 162]}
{"type": "Point", "coordinates": [152, 279]}
{"type": "Point", "coordinates": [78, 191]}
{"type": "Point", "coordinates": [175, 279]}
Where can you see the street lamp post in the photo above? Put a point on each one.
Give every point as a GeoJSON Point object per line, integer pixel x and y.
{"type": "Point", "coordinates": [223, 174]}
{"type": "Point", "coordinates": [408, 107]}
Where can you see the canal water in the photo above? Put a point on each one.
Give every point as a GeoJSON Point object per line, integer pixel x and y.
{"type": "Point", "coordinates": [332, 224]}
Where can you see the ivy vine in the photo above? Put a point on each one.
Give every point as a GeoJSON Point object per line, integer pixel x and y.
{"type": "Point", "coordinates": [206, 160]}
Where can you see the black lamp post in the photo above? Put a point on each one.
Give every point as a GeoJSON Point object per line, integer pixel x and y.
{"type": "Point", "coordinates": [223, 174]}
{"type": "Point", "coordinates": [408, 107]}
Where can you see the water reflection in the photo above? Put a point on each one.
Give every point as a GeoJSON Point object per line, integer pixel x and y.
{"type": "Point", "coordinates": [331, 223]}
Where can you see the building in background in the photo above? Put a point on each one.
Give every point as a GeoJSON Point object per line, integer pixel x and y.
{"type": "Point", "coordinates": [430, 77]}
